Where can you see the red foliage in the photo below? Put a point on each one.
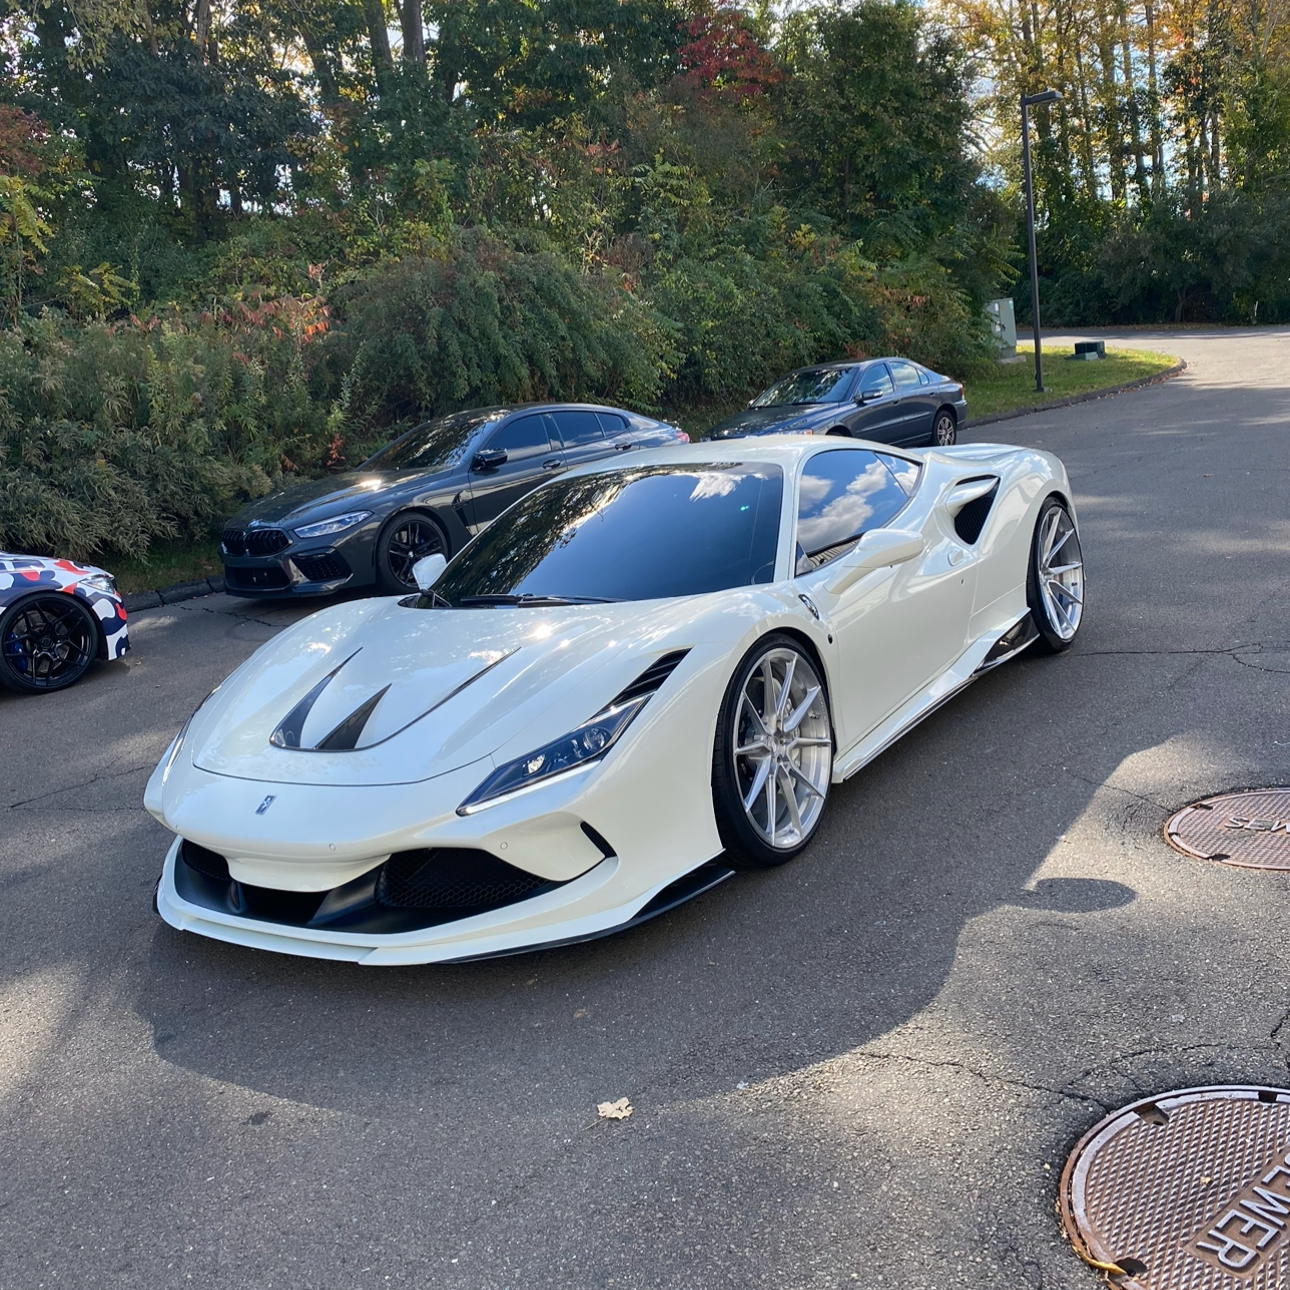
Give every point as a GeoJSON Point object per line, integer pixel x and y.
{"type": "Point", "coordinates": [22, 141]}
{"type": "Point", "coordinates": [724, 59]}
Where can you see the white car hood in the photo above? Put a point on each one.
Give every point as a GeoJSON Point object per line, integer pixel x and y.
{"type": "Point", "coordinates": [453, 687]}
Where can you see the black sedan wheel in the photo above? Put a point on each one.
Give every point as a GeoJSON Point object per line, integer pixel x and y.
{"type": "Point", "coordinates": [47, 642]}
{"type": "Point", "coordinates": [944, 429]}
{"type": "Point", "coordinates": [406, 539]}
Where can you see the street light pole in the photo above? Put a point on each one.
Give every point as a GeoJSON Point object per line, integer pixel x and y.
{"type": "Point", "coordinates": [1047, 96]}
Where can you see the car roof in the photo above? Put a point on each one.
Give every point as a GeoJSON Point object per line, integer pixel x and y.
{"type": "Point", "coordinates": [785, 450]}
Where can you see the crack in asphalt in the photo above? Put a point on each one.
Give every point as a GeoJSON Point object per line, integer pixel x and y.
{"type": "Point", "coordinates": [71, 788]}
{"type": "Point", "coordinates": [985, 1078]}
{"type": "Point", "coordinates": [228, 613]}
{"type": "Point", "coordinates": [1116, 787]}
{"type": "Point", "coordinates": [1231, 650]}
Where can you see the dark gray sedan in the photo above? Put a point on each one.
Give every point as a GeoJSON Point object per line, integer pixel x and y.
{"type": "Point", "coordinates": [428, 492]}
{"type": "Point", "coordinates": [886, 400]}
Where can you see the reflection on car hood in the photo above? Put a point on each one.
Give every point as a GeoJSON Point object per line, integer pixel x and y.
{"type": "Point", "coordinates": [314, 498]}
{"type": "Point", "coordinates": [786, 419]}
{"type": "Point", "coordinates": [450, 687]}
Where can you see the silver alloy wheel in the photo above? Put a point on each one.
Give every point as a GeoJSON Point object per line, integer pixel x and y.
{"type": "Point", "coordinates": [944, 434]}
{"type": "Point", "coordinates": [783, 748]}
{"type": "Point", "coordinates": [1060, 574]}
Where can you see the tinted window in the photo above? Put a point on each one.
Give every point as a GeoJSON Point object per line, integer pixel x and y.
{"type": "Point", "coordinates": [876, 378]}
{"type": "Point", "coordinates": [577, 428]}
{"type": "Point", "coordinates": [906, 375]}
{"type": "Point", "coordinates": [629, 535]}
{"type": "Point", "coordinates": [824, 386]}
{"type": "Point", "coordinates": [924, 376]}
{"type": "Point", "coordinates": [437, 445]}
{"type": "Point", "coordinates": [526, 437]}
{"type": "Point", "coordinates": [843, 494]}
{"type": "Point", "coordinates": [612, 424]}
{"type": "Point", "coordinates": [905, 471]}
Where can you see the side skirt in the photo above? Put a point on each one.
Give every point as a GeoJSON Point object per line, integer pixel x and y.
{"type": "Point", "coordinates": [985, 653]}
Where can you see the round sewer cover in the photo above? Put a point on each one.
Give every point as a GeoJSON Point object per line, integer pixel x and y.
{"type": "Point", "coordinates": [1186, 1191]}
{"type": "Point", "coordinates": [1250, 828]}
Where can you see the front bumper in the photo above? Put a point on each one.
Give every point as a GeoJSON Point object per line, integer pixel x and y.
{"type": "Point", "coordinates": [316, 571]}
{"type": "Point", "coordinates": [587, 907]}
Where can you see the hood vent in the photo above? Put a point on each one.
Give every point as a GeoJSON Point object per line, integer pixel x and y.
{"type": "Point", "coordinates": [346, 735]}
{"type": "Point", "coordinates": [651, 678]}
{"type": "Point", "coordinates": [287, 735]}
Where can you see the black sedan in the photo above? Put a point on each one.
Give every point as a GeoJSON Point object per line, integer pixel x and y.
{"type": "Point", "coordinates": [428, 492]}
{"type": "Point", "coordinates": [887, 400]}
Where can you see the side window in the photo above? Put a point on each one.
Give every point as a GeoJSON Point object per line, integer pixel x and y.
{"type": "Point", "coordinates": [524, 438]}
{"type": "Point", "coordinates": [843, 493]}
{"type": "Point", "coordinates": [579, 428]}
{"type": "Point", "coordinates": [876, 379]}
{"type": "Point", "coordinates": [905, 471]}
{"type": "Point", "coordinates": [925, 376]}
{"type": "Point", "coordinates": [612, 424]}
{"type": "Point", "coordinates": [906, 375]}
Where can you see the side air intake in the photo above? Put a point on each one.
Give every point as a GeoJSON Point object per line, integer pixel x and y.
{"type": "Point", "coordinates": [651, 678]}
{"type": "Point", "coordinates": [971, 519]}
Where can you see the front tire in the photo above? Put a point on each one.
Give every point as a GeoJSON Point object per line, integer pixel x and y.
{"type": "Point", "coordinates": [945, 429]}
{"type": "Point", "coordinates": [47, 642]}
{"type": "Point", "coordinates": [1055, 581]}
{"type": "Point", "coordinates": [772, 762]}
{"type": "Point", "coordinates": [410, 536]}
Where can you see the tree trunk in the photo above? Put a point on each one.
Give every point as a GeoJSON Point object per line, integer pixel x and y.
{"type": "Point", "coordinates": [414, 37]}
{"type": "Point", "coordinates": [1153, 106]}
{"type": "Point", "coordinates": [202, 26]}
{"type": "Point", "coordinates": [379, 39]}
{"type": "Point", "coordinates": [324, 73]}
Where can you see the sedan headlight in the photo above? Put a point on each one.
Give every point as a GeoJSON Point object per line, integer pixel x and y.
{"type": "Point", "coordinates": [100, 582]}
{"type": "Point", "coordinates": [575, 751]}
{"type": "Point", "coordinates": [337, 524]}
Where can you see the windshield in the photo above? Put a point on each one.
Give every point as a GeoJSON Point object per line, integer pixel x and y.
{"type": "Point", "coordinates": [822, 386]}
{"type": "Point", "coordinates": [632, 534]}
{"type": "Point", "coordinates": [437, 445]}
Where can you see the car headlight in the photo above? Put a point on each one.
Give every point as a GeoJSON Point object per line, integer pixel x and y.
{"type": "Point", "coordinates": [337, 524]}
{"type": "Point", "coordinates": [100, 582]}
{"type": "Point", "coordinates": [575, 751]}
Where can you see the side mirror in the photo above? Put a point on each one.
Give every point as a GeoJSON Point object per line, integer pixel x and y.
{"type": "Point", "coordinates": [868, 396]}
{"type": "Point", "coordinates": [427, 571]}
{"type": "Point", "coordinates": [487, 459]}
{"type": "Point", "coordinates": [876, 550]}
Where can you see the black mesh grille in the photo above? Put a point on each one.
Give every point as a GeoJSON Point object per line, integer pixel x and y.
{"type": "Point", "coordinates": [208, 863]}
{"type": "Point", "coordinates": [272, 579]}
{"type": "Point", "coordinates": [453, 878]}
{"type": "Point", "coordinates": [254, 541]}
{"type": "Point", "coordinates": [321, 568]}
{"type": "Point", "coordinates": [969, 522]}
{"type": "Point", "coordinates": [651, 678]}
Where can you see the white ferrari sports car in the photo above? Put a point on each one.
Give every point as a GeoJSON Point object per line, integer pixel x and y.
{"type": "Point", "coordinates": [640, 677]}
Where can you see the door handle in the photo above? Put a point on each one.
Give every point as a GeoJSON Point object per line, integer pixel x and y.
{"type": "Point", "coordinates": [554, 463]}
{"type": "Point", "coordinates": [622, 447]}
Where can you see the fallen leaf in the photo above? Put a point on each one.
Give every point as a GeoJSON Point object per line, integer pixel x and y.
{"type": "Point", "coordinates": [619, 1110]}
{"type": "Point", "coordinates": [582, 1012]}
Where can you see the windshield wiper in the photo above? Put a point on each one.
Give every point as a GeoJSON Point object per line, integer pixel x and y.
{"type": "Point", "coordinates": [534, 598]}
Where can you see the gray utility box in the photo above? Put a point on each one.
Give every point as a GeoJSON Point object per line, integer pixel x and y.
{"type": "Point", "coordinates": [1089, 349]}
{"type": "Point", "coordinates": [1003, 322]}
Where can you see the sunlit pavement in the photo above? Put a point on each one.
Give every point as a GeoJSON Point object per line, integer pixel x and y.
{"type": "Point", "coordinates": [865, 1068]}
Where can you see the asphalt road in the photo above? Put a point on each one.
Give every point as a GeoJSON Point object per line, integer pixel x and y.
{"type": "Point", "coordinates": [863, 1069]}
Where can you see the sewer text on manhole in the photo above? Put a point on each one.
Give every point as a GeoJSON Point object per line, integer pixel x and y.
{"type": "Point", "coordinates": [1250, 829]}
{"type": "Point", "coordinates": [1189, 1191]}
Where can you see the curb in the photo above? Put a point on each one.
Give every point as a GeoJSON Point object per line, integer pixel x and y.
{"type": "Point", "coordinates": [170, 595]}
{"type": "Point", "coordinates": [1140, 384]}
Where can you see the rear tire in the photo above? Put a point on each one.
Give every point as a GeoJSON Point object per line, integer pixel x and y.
{"type": "Point", "coordinates": [772, 761]}
{"type": "Point", "coordinates": [47, 642]}
{"type": "Point", "coordinates": [945, 428]}
{"type": "Point", "coordinates": [1055, 580]}
{"type": "Point", "coordinates": [406, 538]}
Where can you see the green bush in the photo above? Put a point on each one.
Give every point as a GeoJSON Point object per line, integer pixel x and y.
{"type": "Point", "coordinates": [113, 436]}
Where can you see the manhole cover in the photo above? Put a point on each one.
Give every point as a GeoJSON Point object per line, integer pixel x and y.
{"type": "Point", "coordinates": [1250, 828]}
{"type": "Point", "coordinates": [1189, 1191]}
